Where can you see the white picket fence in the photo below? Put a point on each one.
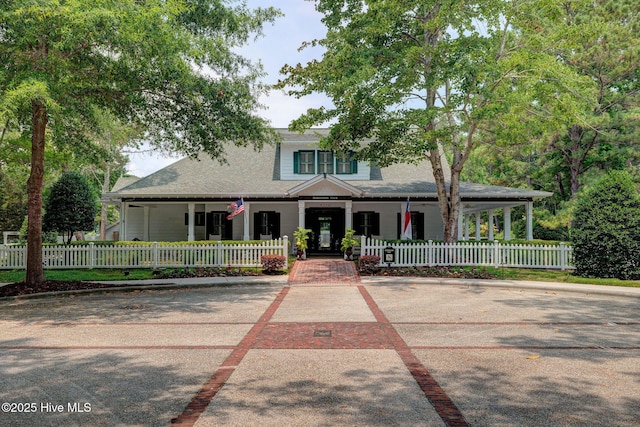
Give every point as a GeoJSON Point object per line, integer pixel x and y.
{"type": "Point", "coordinates": [494, 254]}
{"type": "Point", "coordinates": [147, 256]}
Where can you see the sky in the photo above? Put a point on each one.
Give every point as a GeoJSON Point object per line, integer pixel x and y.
{"type": "Point", "coordinates": [278, 46]}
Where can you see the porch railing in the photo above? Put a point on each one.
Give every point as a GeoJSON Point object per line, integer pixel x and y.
{"type": "Point", "coordinates": [147, 256]}
{"type": "Point", "coordinates": [493, 254]}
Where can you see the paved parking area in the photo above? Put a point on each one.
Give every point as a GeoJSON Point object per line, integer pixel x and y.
{"type": "Point", "coordinates": [403, 352]}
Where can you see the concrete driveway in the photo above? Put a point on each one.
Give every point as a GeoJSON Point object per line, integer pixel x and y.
{"type": "Point", "coordinates": [400, 352]}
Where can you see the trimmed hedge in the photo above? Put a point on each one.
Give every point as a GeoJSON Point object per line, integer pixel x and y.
{"type": "Point", "coordinates": [606, 235]}
{"type": "Point", "coordinates": [273, 262]}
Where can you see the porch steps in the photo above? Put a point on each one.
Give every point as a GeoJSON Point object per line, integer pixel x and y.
{"type": "Point", "coordinates": [323, 271]}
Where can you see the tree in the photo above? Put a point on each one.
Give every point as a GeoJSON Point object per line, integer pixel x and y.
{"type": "Point", "coordinates": [71, 206]}
{"type": "Point", "coordinates": [606, 235]}
{"type": "Point", "coordinates": [168, 67]}
{"type": "Point", "coordinates": [111, 138]}
{"type": "Point", "coordinates": [424, 79]}
{"type": "Point", "coordinates": [608, 53]}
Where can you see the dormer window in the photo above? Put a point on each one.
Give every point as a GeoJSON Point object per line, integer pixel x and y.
{"type": "Point", "coordinates": [304, 162]}
{"type": "Point", "coordinates": [346, 165]}
{"type": "Point", "coordinates": [325, 162]}
{"type": "Point", "coordinates": [311, 162]}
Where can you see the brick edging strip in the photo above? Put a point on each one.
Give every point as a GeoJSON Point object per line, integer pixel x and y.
{"type": "Point", "coordinates": [201, 400]}
{"type": "Point", "coordinates": [442, 403]}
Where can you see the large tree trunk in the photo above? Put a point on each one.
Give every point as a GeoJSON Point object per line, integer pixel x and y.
{"type": "Point", "coordinates": [35, 270]}
{"type": "Point", "coordinates": [449, 204]}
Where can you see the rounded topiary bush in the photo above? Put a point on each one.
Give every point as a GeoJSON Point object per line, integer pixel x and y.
{"type": "Point", "coordinates": [606, 235]}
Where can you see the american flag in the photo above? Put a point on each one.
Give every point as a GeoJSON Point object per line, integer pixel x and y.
{"type": "Point", "coordinates": [237, 207]}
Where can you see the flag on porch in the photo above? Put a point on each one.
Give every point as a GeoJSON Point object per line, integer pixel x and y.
{"type": "Point", "coordinates": [407, 233]}
{"type": "Point", "coordinates": [237, 207]}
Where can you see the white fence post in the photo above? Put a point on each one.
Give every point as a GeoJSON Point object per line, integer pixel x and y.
{"type": "Point", "coordinates": [285, 250]}
{"type": "Point", "coordinates": [92, 255]}
{"type": "Point", "coordinates": [154, 256]}
{"type": "Point", "coordinates": [563, 257]}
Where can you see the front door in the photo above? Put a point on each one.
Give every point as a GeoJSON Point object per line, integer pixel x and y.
{"type": "Point", "coordinates": [327, 229]}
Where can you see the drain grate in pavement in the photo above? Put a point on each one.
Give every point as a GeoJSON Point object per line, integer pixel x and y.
{"type": "Point", "coordinates": [134, 307]}
{"type": "Point", "coordinates": [322, 333]}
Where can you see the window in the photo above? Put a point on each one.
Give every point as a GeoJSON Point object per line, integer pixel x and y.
{"type": "Point", "coordinates": [304, 162]}
{"type": "Point", "coordinates": [217, 223]}
{"type": "Point", "coordinates": [199, 219]}
{"type": "Point", "coordinates": [266, 223]}
{"type": "Point", "coordinates": [366, 223]}
{"type": "Point", "coordinates": [325, 162]}
{"type": "Point", "coordinates": [346, 165]}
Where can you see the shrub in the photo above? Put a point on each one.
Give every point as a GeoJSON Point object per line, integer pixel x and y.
{"type": "Point", "coordinates": [606, 234]}
{"type": "Point", "coordinates": [369, 264]}
{"type": "Point", "coordinates": [70, 207]}
{"type": "Point", "coordinates": [272, 262]}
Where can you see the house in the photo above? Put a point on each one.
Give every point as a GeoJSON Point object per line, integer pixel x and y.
{"type": "Point", "coordinates": [294, 183]}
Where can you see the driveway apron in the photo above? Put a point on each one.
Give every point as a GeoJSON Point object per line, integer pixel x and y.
{"type": "Point", "coordinates": [322, 347]}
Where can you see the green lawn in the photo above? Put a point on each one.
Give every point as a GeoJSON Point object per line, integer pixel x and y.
{"type": "Point", "coordinates": [556, 276]}
{"type": "Point", "coordinates": [80, 275]}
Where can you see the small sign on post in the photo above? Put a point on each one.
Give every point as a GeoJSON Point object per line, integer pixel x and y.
{"type": "Point", "coordinates": [389, 255]}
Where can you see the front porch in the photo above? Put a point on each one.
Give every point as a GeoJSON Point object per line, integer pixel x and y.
{"type": "Point", "coordinates": [326, 216]}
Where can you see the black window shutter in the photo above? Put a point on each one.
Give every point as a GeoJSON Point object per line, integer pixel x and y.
{"type": "Point", "coordinates": [209, 223]}
{"type": "Point", "coordinates": [274, 220]}
{"type": "Point", "coordinates": [227, 229]}
{"type": "Point", "coordinates": [358, 223]}
{"type": "Point", "coordinates": [296, 162]}
{"type": "Point", "coordinates": [256, 225]}
{"type": "Point", "coordinates": [419, 225]}
{"type": "Point", "coordinates": [376, 223]}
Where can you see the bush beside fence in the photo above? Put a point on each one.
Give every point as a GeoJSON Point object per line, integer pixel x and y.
{"type": "Point", "coordinates": [147, 255]}
{"type": "Point", "coordinates": [489, 254]}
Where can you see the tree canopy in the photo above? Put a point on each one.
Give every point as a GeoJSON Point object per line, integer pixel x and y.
{"type": "Point", "coordinates": [167, 66]}
{"type": "Point", "coordinates": [424, 79]}
{"type": "Point", "coordinates": [70, 206]}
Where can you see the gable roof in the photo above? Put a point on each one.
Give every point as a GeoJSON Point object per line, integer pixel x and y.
{"type": "Point", "coordinates": [250, 173]}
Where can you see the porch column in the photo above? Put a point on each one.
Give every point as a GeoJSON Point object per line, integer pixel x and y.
{"type": "Point", "coordinates": [348, 208]}
{"type": "Point", "coordinates": [145, 234]}
{"type": "Point", "coordinates": [467, 217]}
{"type": "Point", "coordinates": [461, 223]}
{"type": "Point", "coordinates": [191, 236]}
{"type": "Point", "coordinates": [246, 235]}
{"type": "Point", "coordinates": [529, 209]}
{"type": "Point", "coordinates": [490, 222]}
{"type": "Point", "coordinates": [506, 212]}
{"type": "Point", "coordinates": [477, 225]}
{"type": "Point", "coordinates": [301, 206]}
{"type": "Point", "coordinates": [123, 221]}
{"type": "Point", "coordinates": [403, 208]}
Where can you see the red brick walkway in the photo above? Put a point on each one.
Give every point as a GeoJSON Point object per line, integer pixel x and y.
{"type": "Point", "coordinates": [324, 335]}
{"type": "Point", "coordinates": [324, 270]}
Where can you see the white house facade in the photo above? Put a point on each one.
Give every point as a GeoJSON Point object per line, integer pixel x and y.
{"type": "Point", "coordinates": [294, 183]}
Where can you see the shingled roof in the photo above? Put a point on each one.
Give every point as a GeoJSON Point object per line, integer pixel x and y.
{"type": "Point", "coordinates": [250, 173]}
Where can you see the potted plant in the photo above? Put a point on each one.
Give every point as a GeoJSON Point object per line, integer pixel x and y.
{"type": "Point", "coordinates": [302, 236]}
{"type": "Point", "coordinates": [348, 242]}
